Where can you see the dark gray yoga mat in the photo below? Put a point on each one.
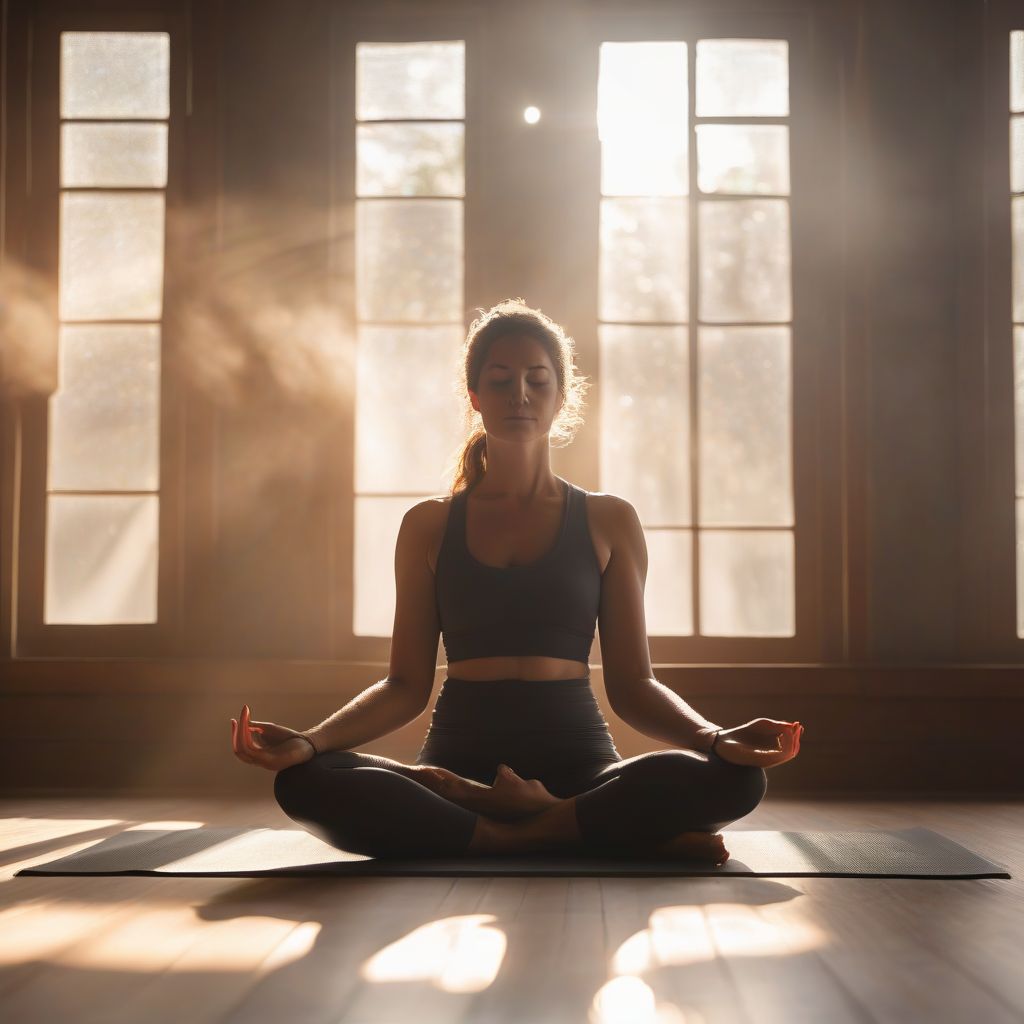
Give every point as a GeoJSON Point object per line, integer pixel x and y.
{"type": "Point", "coordinates": [234, 852]}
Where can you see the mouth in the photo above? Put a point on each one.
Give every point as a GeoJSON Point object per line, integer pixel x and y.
{"type": "Point", "coordinates": [519, 418]}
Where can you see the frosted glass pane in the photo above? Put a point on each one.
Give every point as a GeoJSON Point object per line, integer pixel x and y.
{"type": "Point", "coordinates": [742, 78]}
{"type": "Point", "coordinates": [645, 420]}
{"type": "Point", "coordinates": [101, 558]}
{"type": "Point", "coordinates": [410, 160]}
{"type": "Point", "coordinates": [1018, 403]}
{"type": "Point", "coordinates": [408, 416]}
{"type": "Point", "coordinates": [1017, 154]}
{"type": "Point", "coordinates": [1017, 227]}
{"type": "Point", "coordinates": [743, 158]}
{"type": "Point", "coordinates": [1017, 71]}
{"type": "Point", "coordinates": [115, 74]}
{"type": "Point", "coordinates": [642, 116]}
{"type": "Point", "coordinates": [746, 583]}
{"type": "Point", "coordinates": [1020, 567]}
{"type": "Point", "coordinates": [668, 595]}
{"type": "Point", "coordinates": [644, 260]}
{"type": "Point", "coordinates": [94, 155]}
{"type": "Point", "coordinates": [745, 260]}
{"type": "Point", "coordinates": [105, 416]}
{"type": "Point", "coordinates": [111, 255]}
{"type": "Point", "coordinates": [410, 80]}
{"type": "Point", "coordinates": [409, 259]}
{"type": "Point", "coordinates": [376, 531]}
{"type": "Point", "coordinates": [745, 426]}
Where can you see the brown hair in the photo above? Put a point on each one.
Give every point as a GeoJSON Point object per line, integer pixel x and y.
{"type": "Point", "coordinates": [513, 316]}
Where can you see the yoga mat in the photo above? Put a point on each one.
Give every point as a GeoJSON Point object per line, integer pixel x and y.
{"type": "Point", "coordinates": [240, 852]}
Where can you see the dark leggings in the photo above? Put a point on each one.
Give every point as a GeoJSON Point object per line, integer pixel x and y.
{"type": "Point", "coordinates": [551, 730]}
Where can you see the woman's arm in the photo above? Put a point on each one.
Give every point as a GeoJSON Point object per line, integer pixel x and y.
{"type": "Point", "coordinates": [633, 692]}
{"type": "Point", "coordinates": [385, 706]}
{"type": "Point", "coordinates": [392, 702]}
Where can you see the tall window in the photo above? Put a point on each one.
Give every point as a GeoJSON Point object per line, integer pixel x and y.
{"type": "Point", "coordinates": [410, 191]}
{"type": "Point", "coordinates": [698, 437]}
{"type": "Point", "coordinates": [103, 471]}
{"type": "Point", "coordinates": [1017, 219]}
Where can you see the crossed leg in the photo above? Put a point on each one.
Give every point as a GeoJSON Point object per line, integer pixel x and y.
{"type": "Point", "coordinates": [372, 805]}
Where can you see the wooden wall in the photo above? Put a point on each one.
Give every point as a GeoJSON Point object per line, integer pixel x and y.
{"type": "Point", "coordinates": [911, 680]}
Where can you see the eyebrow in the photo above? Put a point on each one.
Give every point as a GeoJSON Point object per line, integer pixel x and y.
{"type": "Point", "coordinates": [502, 366]}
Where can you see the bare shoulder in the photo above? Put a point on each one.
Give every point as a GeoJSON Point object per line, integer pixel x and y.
{"type": "Point", "coordinates": [430, 517]}
{"type": "Point", "coordinates": [610, 519]}
{"type": "Point", "coordinates": [610, 508]}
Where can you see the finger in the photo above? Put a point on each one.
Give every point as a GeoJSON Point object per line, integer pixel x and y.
{"type": "Point", "coordinates": [247, 742]}
{"type": "Point", "coordinates": [235, 743]}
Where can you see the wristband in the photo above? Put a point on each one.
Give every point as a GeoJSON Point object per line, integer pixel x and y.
{"type": "Point", "coordinates": [310, 742]}
{"type": "Point", "coordinates": [714, 741]}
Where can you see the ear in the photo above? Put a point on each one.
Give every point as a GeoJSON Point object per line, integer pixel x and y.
{"type": "Point", "coordinates": [474, 400]}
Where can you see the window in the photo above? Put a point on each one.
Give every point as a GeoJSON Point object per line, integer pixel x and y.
{"type": "Point", "coordinates": [103, 472]}
{"type": "Point", "coordinates": [1017, 220]}
{"type": "Point", "coordinates": [410, 187]}
{"type": "Point", "coordinates": [699, 436]}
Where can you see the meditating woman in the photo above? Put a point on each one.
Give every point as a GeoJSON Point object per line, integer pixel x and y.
{"type": "Point", "coordinates": [513, 569]}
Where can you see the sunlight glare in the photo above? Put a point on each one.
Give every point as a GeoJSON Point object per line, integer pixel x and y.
{"type": "Point", "coordinates": [628, 1000]}
{"type": "Point", "coordinates": [458, 954]}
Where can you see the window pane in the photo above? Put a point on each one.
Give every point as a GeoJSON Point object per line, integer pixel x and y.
{"type": "Point", "coordinates": [1018, 389]}
{"type": "Point", "coordinates": [104, 418]}
{"type": "Point", "coordinates": [115, 74]}
{"type": "Point", "coordinates": [746, 583]}
{"type": "Point", "coordinates": [742, 78]}
{"type": "Point", "coordinates": [644, 260]}
{"type": "Point", "coordinates": [1020, 567]}
{"type": "Point", "coordinates": [645, 420]}
{"type": "Point", "coordinates": [132, 155]}
{"type": "Point", "coordinates": [408, 420]}
{"type": "Point", "coordinates": [668, 595]}
{"type": "Point", "coordinates": [745, 426]}
{"type": "Point", "coordinates": [410, 160]}
{"type": "Point", "coordinates": [744, 260]}
{"type": "Point", "coordinates": [409, 259]}
{"type": "Point", "coordinates": [377, 521]}
{"type": "Point", "coordinates": [410, 80]}
{"type": "Point", "coordinates": [1017, 154]}
{"type": "Point", "coordinates": [1017, 71]}
{"type": "Point", "coordinates": [1017, 227]}
{"type": "Point", "coordinates": [642, 110]}
{"type": "Point", "coordinates": [111, 255]}
{"type": "Point", "coordinates": [101, 559]}
{"type": "Point", "coordinates": [743, 158]}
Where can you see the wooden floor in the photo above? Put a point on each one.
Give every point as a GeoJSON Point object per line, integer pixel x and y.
{"type": "Point", "coordinates": [497, 950]}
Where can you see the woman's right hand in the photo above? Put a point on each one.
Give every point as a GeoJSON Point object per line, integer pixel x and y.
{"type": "Point", "coordinates": [266, 744]}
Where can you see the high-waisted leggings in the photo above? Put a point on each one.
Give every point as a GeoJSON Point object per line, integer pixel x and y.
{"type": "Point", "coordinates": [552, 730]}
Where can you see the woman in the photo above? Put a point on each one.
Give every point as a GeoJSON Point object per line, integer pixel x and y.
{"type": "Point", "coordinates": [513, 568]}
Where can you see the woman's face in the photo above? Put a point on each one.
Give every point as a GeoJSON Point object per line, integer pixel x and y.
{"type": "Point", "coordinates": [517, 380]}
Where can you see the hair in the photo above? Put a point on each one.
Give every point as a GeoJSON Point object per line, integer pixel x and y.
{"type": "Point", "coordinates": [513, 316]}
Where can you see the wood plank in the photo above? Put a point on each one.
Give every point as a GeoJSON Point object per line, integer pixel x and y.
{"type": "Point", "coordinates": [125, 948]}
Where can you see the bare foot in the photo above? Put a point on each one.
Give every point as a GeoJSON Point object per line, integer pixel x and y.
{"type": "Point", "coordinates": [703, 847]}
{"type": "Point", "coordinates": [509, 799]}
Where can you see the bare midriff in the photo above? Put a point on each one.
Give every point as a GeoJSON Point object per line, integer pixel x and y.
{"type": "Point", "coordinates": [509, 538]}
{"type": "Point", "coordinates": [531, 669]}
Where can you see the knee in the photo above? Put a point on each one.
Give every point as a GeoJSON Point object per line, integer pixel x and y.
{"type": "Point", "coordinates": [750, 784]}
{"type": "Point", "coordinates": [744, 786]}
{"type": "Point", "coordinates": [292, 785]}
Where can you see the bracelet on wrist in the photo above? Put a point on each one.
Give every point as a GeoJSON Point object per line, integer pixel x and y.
{"type": "Point", "coordinates": [310, 742]}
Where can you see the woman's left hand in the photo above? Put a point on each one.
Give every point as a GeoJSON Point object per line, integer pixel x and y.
{"type": "Point", "coordinates": [761, 742]}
